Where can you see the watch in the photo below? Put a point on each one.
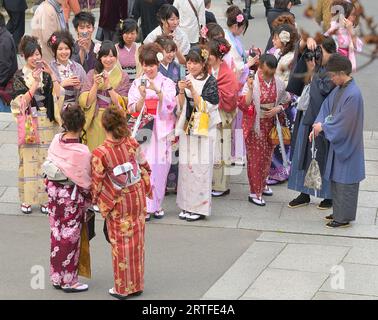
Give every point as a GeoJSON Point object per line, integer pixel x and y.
{"type": "Point", "coordinates": [109, 89]}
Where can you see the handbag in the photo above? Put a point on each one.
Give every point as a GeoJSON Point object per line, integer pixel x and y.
{"type": "Point", "coordinates": [313, 178]}
{"type": "Point", "coordinates": [274, 135]}
{"type": "Point", "coordinates": [27, 125]}
{"type": "Point", "coordinates": [304, 99]}
{"type": "Point", "coordinates": [199, 121]}
{"type": "Point", "coordinates": [90, 224]}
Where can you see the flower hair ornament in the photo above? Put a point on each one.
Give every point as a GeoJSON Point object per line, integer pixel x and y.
{"type": "Point", "coordinates": [97, 48]}
{"type": "Point", "coordinates": [284, 37]}
{"type": "Point", "coordinates": [204, 54]}
{"type": "Point", "coordinates": [121, 23]}
{"type": "Point", "coordinates": [204, 31]}
{"type": "Point", "coordinates": [160, 56]}
{"type": "Point", "coordinates": [240, 18]}
{"type": "Point", "coordinates": [223, 49]}
{"type": "Point", "coordinates": [53, 39]}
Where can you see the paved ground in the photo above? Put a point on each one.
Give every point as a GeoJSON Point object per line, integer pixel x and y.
{"type": "Point", "coordinates": [241, 252]}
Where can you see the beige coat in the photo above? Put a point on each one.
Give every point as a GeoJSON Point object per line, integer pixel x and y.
{"type": "Point", "coordinates": [323, 13]}
{"type": "Point", "coordinates": [44, 22]}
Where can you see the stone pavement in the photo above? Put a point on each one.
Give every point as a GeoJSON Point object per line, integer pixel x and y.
{"type": "Point", "coordinates": [241, 252]}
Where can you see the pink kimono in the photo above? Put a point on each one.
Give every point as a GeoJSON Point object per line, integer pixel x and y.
{"type": "Point", "coordinates": [158, 150]}
{"type": "Point", "coordinates": [344, 42]}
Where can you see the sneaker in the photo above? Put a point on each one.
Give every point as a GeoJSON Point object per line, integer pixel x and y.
{"type": "Point", "coordinates": [268, 192]}
{"type": "Point", "coordinates": [300, 201]}
{"type": "Point", "coordinates": [77, 287]}
{"type": "Point", "coordinates": [159, 214]}
{"type": "Point", "coordinates": [216, 194]}
{"type": "Point", "coordinates": [330, 217]}
{"type": "Point", "coordinates": [183, 215]}
{"type": "Point", "coordinates": [325, 204]}
{"type": "Point", "coordinates": [334, 224]}
{"type": "Point", "coordinates": [256, 200]}
{"type": "Point", "coordinates": [194, 217]}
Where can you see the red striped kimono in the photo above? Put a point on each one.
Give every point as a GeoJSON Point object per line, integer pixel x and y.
{"type": "Point", "coordinates": [124, 211]}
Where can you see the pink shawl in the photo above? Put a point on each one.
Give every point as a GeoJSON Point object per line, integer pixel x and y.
{"type": "Point", "coordinates": [73, 159]}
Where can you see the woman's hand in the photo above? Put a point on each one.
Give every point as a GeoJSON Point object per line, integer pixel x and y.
{"type": "Point", "coordinates": [189, 85]}
{"type": "Point", "coordinates": [348, 25]}
{"type": "Point", "coordinates": [181, 85]}
{"type": "Point", "coordinates": [142, 91]}
{"type": "Point", "coordinates": [153, 87]}
{"type": "Point", "coordinates": [97, 79]}
{"type": "Point", "coordinates": [70, 82]}
{"type": "Point", "coordinates": [252, 61]}
{"type": "Point", "coordinates": [250, 83]}
{"type": "Point", "coordinates": [272, 113]}
{"type": "Point", "coordinates": [105, 76]}
{"type": "Point", "coordinates": [46, 68]}
{"type": "Point", "coordinates": [37, 75]}
{"type": "Point", "coordinates": [311, 44]}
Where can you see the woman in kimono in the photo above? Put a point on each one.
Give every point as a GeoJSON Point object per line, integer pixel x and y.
{"type": "Point", "coordinates": [106, 85]}
{"type": "Point", "coordinates": [343, 31]}
{"type": "Point", "coordinates": [196, 152]}
{"type": "Point", "coordinates": [70, 74]}
{"type": "Point", "coordinates": [263, 98]}
{"type": "Point", "coordinates": [284, 40]}
{"type": "Point", "coordinates": [172, 70]}
{"type": "Point", "coordinates": [121, 197]}
{"type": "Point", "coordinates": [35, 85]}
{"type": "Point", "coordinates": [68, 201]}
{"type": "Point", "coordinates": [169, 25]}
{"type": "Point", "coordinates": [156, 94]}
{"type": "Point", "coordinates": [228, 88]}
{"type": "Point", "coordinates": [128, 49]}
{"type": "Point", "coordinates": [237, 24]}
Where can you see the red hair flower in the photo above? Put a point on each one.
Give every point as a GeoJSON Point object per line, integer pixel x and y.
{"type": "Point", "coordinates": [222, 48]}
{"type": "Point", "coordinates": [53, 39]}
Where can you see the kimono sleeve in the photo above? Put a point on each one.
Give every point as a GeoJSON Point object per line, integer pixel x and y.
{"type": "Point", "coordinates": [228, 91]}
{"type": "Point", "coordinates": [98, 175]}
{"type": "Point", "coordinates": [342, 130]}
{"type": "Point", "coordinates": [169, 96]}
{"type": "Point", "coordinates": [134, 96]}
{"type": "Point", "coordinates": [146, 171]}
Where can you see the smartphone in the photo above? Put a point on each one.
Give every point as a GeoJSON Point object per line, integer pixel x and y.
{"type": "Point", "coordinates": [39, 64]}
{"type": "Point", "coordinates": [143, 82]}
{"type": "Point", "coordinates": [182, 72]}
{"type": "Point", "coordinates": [84, 34]}
{"type": "Point", "coordinates": [252, 74]}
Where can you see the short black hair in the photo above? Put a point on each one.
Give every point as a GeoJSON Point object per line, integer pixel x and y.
{"type": "Point", "coordinates": [269, 59]}
{"type": "Point", "coordinates": [83, 16]}
{"type": "Point", "coordinates": [58, 37]}
{"type": "Point", "coordinates": [329, 45]}
{"type": "Point", "coordinates": [339, 63]}
{"type": "Point", "coordinates": [281, 4]}
{"type": "Point", "coordinates": [2, 20]}
{"type": "Point", "coordinates": [166, 11]}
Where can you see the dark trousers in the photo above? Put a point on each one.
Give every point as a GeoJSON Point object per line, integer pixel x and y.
{"type": "Point", "coordinates": [345, 200]}
{"type": "Point", "coordinates": [16, 25]}
{"type": "Point", "coordinates": [247, 9]}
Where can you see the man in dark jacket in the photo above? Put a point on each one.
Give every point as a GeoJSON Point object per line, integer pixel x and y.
{"type": "Point", "coordinates": [110, 14]}
{"type": "Point", "coordinates": [281, 7]}
{"type": "Point", "coordinates": [16, 12]}
{"type": "Point", "coordinates": [8, 63]}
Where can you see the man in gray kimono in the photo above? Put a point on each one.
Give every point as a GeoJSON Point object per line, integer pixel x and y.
{"type": "Point", "coordinates": [341, 120]}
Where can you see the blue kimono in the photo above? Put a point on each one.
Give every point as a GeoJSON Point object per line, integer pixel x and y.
{"type": "Point", "coordinates": [173, 71]}
{"type": "Point", "coordinates": [344, 131]}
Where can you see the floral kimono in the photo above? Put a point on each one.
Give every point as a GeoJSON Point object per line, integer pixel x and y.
{"type": "Point", "coordinates": [197, 153]}
{"type": "Point", "coordinates": [158, 150]}
{"type": "Point", "coordinates": [68, 204]}
{"type": "Point", "coordinates": [256, 128]}
{"type": "Point", "coordinates": [63, 72]}
{"type": "Point", "coordinates": [124, 210]}
{"type": "Point", "coordinates": [94, 134]}
{"type": "Point", "coordinates": [31, 156]}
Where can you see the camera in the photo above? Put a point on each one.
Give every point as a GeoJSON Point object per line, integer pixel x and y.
{"type": "Point", "coordinates": [254, 52]}
{"type": "Point", "coordinates": [39, 64]}
{"type": "Point", "coordinates": [84, 34]}
{"type": "Point", "coordinates": [317, 54]}
{"type": "Point", "coordinates": [251, 74]}
{"type": "Point", "coordinates": [143, 82]}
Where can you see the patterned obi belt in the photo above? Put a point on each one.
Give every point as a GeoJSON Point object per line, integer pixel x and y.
{"type": "Point", "coordinates": [131, 72]}
{"type": "Point", "coordinates": [264, 107]}
{"type": "Point", "coordinates": [103, 101]}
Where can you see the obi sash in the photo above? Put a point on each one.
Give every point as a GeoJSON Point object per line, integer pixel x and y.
{"type": "Point", "coordinates": [264, 108]}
